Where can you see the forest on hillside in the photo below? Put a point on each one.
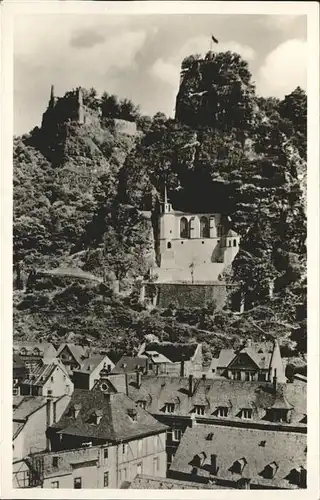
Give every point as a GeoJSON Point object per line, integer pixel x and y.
{"type": "Point", "coordinates": [78, 198]}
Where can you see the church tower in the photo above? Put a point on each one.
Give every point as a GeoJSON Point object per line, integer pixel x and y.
{"type": "Point", "coordinates": [166, 228]}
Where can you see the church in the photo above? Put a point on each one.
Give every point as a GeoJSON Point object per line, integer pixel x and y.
{"type": "Point", "coordinates": [193, 247]}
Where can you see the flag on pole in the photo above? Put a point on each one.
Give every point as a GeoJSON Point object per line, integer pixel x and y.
{"type": "Point", "coordinates": [214, 39]}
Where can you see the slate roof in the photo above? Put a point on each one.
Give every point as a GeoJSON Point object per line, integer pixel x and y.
{"type": "Point", "coordinates": [88, 365]}
{"type": "Point", "coordinates": [128, 364]}
{"type": "Point", "coordinates": [143, 481]}
{"type": "Point", "coordinates": [30, 346]}
{"type": "Point", "coordinates": [174, 352]}
{"type": "Point", "coordinates": [23, 406]}
{"type": "Point", "coordinates": [77, 351]}
{"type": "Point", "coordinates": [258, 447]}
{"type": "Point", "coordinates": [259, 352]}
{"type": "Point", "coordinates": [115, 424]}
{"type": "Point", "coordinates": [214, 393]}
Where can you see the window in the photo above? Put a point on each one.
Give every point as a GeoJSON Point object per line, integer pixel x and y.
{"type": "Point", "coordinates": [24, 479]}
{"type": "Point", "coordinates": [229, 243]}
{"type": "Point", "coordinates": [247, 375]}
{"type": "Point", "coordinates": [247, 413]}
{"type": "Point", "coordinates": [223, 411]}
{"type": "Point", "coordinates": [54, 461]}
{"type": "Point", "coordinates": [219, 231]}
{"type": "Point", "coordinates": [262, 377]}
{"type": "Point", "coordinates": [234, 243]}
{"type": "Point", "coordinates": [142, 404]}
{"type": "Point", "coordinates": [150, 366]}
{"type": "Point", "coordinates": [106, 479]}
{"type": "Point", "coordinates": [237, 376]}
{"type": "Point", "coordinates": [199, 410]}
{"type": "Point", "coordinates": [155, 465]}
{"type": "Point", "coordinates": [184, 229]}
{"type": "Point", "coordinates": [169, 407]}
{"type": "Point", "coordinates": [204, 228]}
{"type": "Point", "coordinates": [49, 392]}
{"type": "Point", "coordinates": [77, 483]}
{"type": "Point", "coordinates": [105, 453]}
{"type": "Point", "coordinates": [124, 448]}
{"type": "Point", "coordinates": [51, 379]}
{"type": "Point", "coordinates": [123, 475]}
{"type": "Point", "coordinates": [176, 435]}
{"type": "Point", "coordinates": [139, 468]}
{"type": "Point", "coordinates": [55, 484]}
{"type": "Point", "coordinates": [15, 391]}
{"type": "Point", "coordinates": [23, 352]}
{"type": "Point", "coordinates": [169, 244]}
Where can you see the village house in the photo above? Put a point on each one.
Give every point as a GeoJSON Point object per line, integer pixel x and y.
{"type": "Point", "coordinates": [19, 372]}
{"type": "Point", "coordinates": [32, 415]}
{"type": "Point", "coordinates": [167, 358]}
{"type": "Point", "coordinates": [47, 380]}
{"type": "Point", "coordinates": [243, 458]}
{"type": "Point", "coordinates": [35, 354]}
{"type": "Point", "coordinates": [178, 401]}
{"type": "Point", "coordinates": [102, 439]}
{"type": "Point", "coordinates": [86, 376]}
{"type": "Point", "coordinates": [253, 361]}
{"type": "Point", "coordinates": [72, 356]}
{"type": "Point", "coordinates": [130, 364]}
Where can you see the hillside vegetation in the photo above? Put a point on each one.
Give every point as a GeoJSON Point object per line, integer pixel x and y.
{"type": "Point", "coordinates": [78, 197]}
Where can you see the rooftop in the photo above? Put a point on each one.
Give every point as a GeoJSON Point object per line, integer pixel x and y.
{"type": "Point", "coordinates": [256, 449]}
{"type": "Point", "coordinates": [143, 481]}
{"type": "Point", "coordinates": [33, 348]}
{"type": "Point", "coordinates": [129, 364]}
{"type": "Point", "coordinates": [171, 351]}
{"type": "Point", "coordinates": [214, 393]}
{"type": "Point", "coordinates": [23, 406]}
{"type": "Point", "coordinates": [88, 365]}
{"type": "Point", "coordinates": [115, 424]}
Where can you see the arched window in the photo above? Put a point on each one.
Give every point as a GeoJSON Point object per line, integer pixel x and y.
{"type": "Point", "coordinates": [204, 228]}
{"type": "Point", "coordinates": [184, 230]}
{"type": "Point", "coordinates": [229, 243]}
{"type": "Point", "coordinates": [168, 244]}
{"type": "Point", "coordinates": [234, 243]}
{"type": "Point", "coordinates": [219, 230]}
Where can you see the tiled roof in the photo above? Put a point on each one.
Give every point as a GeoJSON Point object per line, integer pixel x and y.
{"type": "Point", "coordinates": [258, 447]}
{"type": "Point", "coordinates": [91, 363]}
{"type": "Point", "coordinates": [143, 481]}
{"type": "Point", "coordinates": [23, 406]}
{"type": "Point", "coordinates": [129, 364]}
{"type": "Point", "coordinates": [174, 352]}
{"type": "Point", "coordinates": [39, 375]}
{"type": "Point", "coordinates": [115, 424]}
{"type": "Point", "coordinates": [213, 393]}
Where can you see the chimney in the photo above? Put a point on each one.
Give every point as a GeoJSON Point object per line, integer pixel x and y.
{"type": "Point", "coordinates": [191, 386]}
{"type": "Point", "coordinates": [275, 381]}
{"type": "Point", "coordinates": [182, 368]}
{"type": "Point", "coordinates": [214, 468]}
{"type": "Point", "coordinates": [138, 378]}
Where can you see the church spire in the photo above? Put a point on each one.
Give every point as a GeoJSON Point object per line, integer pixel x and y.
{"type": "Point", "coordinates": [165, 193]}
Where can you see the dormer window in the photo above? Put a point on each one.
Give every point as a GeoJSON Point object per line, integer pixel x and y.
{"type": "Point", "coordinates": [95, 417]}
{"type": "Point", "coordinates": [270, 470]}
{"type": "Point", "coordinates": [55, 461]}
{"type": "Point", "coordinates": [36, 351]}
{"type": "Point", "coordinates": [23, 351]}
{"type": "Point", "coordinates": [199, 410]}
{"type": "Point", "coordinates": [169, 407]}
{"type": "Point", "coordinates": [74, 411]}
{"type": "Point", "coordinates": [142, 404]}
{"type": "Point", "coordinates": [246, 413]}
{"type": "Point", "coordinates": [223, 411]}
{"type": "Point", "coordinates": [132, 414]}
{"type": "Point", "coordinates": [239, 465]}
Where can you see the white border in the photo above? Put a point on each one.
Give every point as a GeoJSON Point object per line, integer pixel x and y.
{"type": "Point", "coordinates": [8, 9]}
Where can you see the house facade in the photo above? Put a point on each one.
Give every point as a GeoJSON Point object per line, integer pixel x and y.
{"type": "Point", "coordinates": [32, 415]}
{"type": "Point", "coordinates": [253, 362]}
{"type": "Point", "coordinates": [89, 371]}
{"type": "Point", "coordinates": [50, 380]}
{"type": "Point", "coordinates": [72, 356]}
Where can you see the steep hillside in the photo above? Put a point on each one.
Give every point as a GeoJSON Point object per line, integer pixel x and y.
{"type": "Point", "coordinates": [79, 192]}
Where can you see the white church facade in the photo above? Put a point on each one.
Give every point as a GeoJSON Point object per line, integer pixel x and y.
{"type": "Point", "coordinates": [193, 247]}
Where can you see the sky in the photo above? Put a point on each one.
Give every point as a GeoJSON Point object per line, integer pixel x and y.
{"type": "Point", "coordinates": [138, 57]}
